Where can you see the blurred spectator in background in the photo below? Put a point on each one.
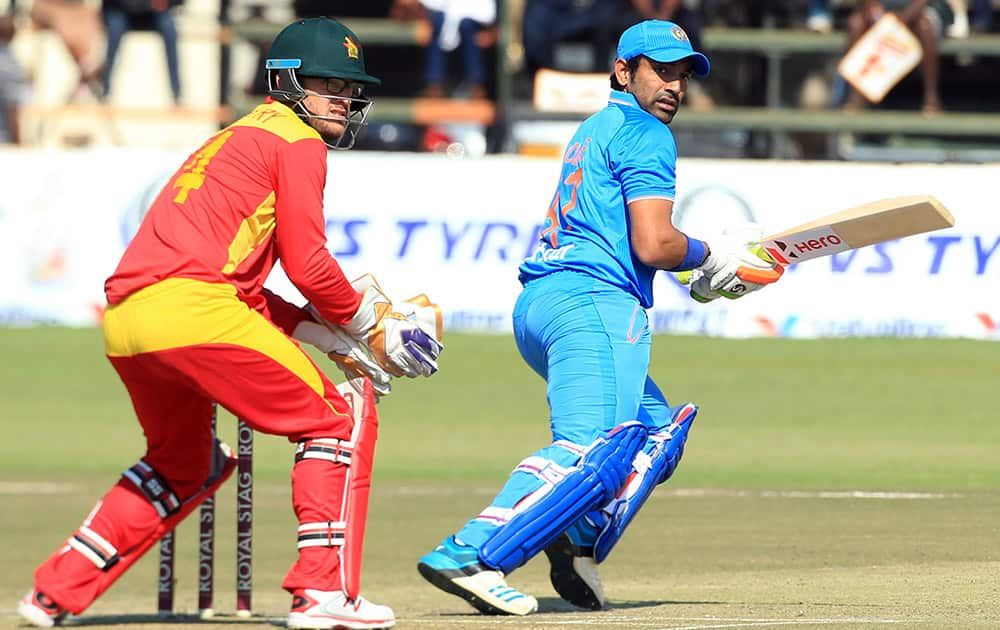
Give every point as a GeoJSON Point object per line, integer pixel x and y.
{"type": "Point", "coordinates": [819, 17]}
{"type": "Point", "coordinates": [342, 8]}
{"type": "Point", "coordinates": [121, 16]}
{"type": "Point", "coordinates": [927, 19]}
{"type": "Point", "coordinates": [547, 23]}
{"type": "Point", "coordinates": [456, 24]}
{"type": "Point", "coordinates": [14, 88]}
{"type": "Point", "coordinates": [970, 16]}
{"type": "Point", "coordinates": [678, 11]}
{"type": "Point", "coordinates": [981, 15]}
{"type": "Point", "coordinates": [407, 10]}
{"type": "Point", "coordinates": [78, 26]}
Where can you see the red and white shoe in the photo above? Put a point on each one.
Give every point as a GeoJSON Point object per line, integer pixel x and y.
{"type": "Point", "coordinates": [37, 609]}
{"type": "Point", "coordinates": [324, 610]}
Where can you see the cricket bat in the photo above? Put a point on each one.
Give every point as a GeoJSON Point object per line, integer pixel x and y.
{"type": "Point", "coordinates": [867, 224]}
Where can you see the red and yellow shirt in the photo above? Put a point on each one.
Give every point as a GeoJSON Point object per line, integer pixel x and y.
{"type": "Point", "coordinates": [250, 196]}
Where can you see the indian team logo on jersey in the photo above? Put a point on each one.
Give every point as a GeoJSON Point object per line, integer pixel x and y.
{"type": "Point", "coordinates": [351, 46]}
{"type": "Point", "coordinates": [679, 33]}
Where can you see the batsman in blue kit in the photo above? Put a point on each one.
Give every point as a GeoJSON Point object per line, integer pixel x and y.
{"type": "Point", "coordinates": [580, 322]}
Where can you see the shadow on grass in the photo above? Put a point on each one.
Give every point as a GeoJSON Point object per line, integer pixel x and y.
{"type": "Point", "coordinates": [171, 620]}
{"type": "Point", "coordinates": [546, 605]}
{"type": "Point", "coordinates": [559, 605]}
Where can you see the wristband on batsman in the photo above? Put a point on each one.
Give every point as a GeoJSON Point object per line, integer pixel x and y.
{"type": "Point", "coordinates": [694, 257]}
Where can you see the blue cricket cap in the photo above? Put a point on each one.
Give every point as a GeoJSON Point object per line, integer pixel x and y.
{"type": "Point", "coordinates": [661, 41]}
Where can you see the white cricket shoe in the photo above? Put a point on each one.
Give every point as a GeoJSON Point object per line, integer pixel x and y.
{"type": "Point", "coordinates": [455, 568]}
{"type": "Point", "coordinates": [37, 609]}
{"type": "Point", "coordinates": [489, 588]}
{"type": "Point", "coordinates": [324, 610]}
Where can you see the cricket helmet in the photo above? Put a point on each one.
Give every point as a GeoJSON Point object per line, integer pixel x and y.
{"type": "Point", "coordinates": [324, 48]}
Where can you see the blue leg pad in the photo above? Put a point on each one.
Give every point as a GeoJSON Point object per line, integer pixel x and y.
{"type": "Point", "coordinates": [541, 516]}
{"type": "Point", "coordinates": [653, 465]}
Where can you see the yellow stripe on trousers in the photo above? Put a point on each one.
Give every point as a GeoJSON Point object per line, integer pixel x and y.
{"type": "Point", "coordinates": [180, 312]}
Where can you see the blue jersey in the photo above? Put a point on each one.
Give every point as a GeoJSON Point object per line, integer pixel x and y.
{"type": "Point", "coordinates": [617, 156]}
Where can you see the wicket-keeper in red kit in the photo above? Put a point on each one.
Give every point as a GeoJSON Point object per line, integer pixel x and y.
{"type": "Point", "coordinates": [189, 322]}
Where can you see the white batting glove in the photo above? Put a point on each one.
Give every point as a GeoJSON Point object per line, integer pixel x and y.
{"type": "Point", "coordinates": [733, 275]}
{"type": "Point", "coordinates": [735, 266]}
{"type": "Point", "coordinates": [351, 356]}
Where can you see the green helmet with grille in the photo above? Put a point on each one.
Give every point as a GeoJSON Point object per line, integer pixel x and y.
{"type": "Point", "coordinates": [319, 47]}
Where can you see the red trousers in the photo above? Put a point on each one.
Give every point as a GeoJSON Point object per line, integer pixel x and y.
{"type": "Point", "coordinates": [178, 346]}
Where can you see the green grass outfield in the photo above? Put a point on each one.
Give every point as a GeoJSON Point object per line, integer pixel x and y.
{"type": "Point", "coordinates": [826, 484]}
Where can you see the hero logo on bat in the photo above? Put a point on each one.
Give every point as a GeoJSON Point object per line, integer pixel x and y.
{"type": "Point", "coordinates": [805, 246]}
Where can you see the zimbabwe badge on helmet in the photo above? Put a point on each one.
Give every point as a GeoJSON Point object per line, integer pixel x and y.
{"type": "Point", "coordinates": [351, 46]}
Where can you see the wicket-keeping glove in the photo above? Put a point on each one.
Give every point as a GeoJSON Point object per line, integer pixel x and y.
{"type": "Point", "coordinates": [404, 338]}
{"type": "Point", "coordinates": [350, 355]}
{"type": "Point", "coordinates": [427, 316]}
{"type": "Point", "coordinates": [735, 266]}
